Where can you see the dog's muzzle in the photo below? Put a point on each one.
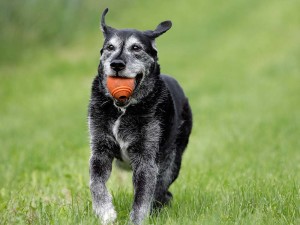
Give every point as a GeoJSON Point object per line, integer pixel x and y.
{"type": "Point", "coordinates": [117, 65]}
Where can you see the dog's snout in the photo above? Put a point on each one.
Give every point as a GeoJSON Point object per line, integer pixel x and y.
{"type": "Point", "coordinates": [117, 65]}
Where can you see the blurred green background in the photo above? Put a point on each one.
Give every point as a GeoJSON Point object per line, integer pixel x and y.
{"type": "Point", "coordinates": [238, 62]}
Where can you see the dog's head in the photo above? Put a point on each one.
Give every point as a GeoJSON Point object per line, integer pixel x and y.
{"type": "Point", "coordinates": [130, 53]}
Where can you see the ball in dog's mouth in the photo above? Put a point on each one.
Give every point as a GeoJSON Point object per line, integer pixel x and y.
{"type": "Point", "coordinates": [121, 88]}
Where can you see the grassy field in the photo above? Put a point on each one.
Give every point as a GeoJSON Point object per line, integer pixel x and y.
{"type": "Point", "coordinates": [238, 62]}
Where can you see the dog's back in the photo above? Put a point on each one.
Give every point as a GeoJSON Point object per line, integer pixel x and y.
{"type": "Point", "coordinates": [176, 92]}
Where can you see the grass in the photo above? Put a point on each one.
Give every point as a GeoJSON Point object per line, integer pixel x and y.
{"type": "Point", "coordinates": [237, 61]}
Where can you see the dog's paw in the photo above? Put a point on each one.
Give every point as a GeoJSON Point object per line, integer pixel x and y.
{"type": "Point", "coordinates": [137, 216]}
{"type": "Point", "coordinates": [106, 213]}
{"type": "Point", "coordinates": [135, 219]}
{"type": "Point", "coordinates": [109, 216]}
{"type": "Point", "coordinates": [161, 201]}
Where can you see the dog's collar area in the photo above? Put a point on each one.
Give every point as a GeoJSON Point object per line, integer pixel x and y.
{"type": "Point", "coordinates": [123, 104]}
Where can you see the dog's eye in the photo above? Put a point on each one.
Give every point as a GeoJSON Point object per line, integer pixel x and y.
{"type": "Point", "coordinates": [136, 48]}
{"type": "Point", "coordinates": [111, 47]}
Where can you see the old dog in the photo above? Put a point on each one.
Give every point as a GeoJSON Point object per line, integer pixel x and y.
{"type": "Point", "coordinates": [149, 130]}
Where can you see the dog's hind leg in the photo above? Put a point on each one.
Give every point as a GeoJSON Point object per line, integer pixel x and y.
{"type": "Point", "coordinates": [182, 138]}
{"type": "Point", "coordinates": [170, 172]}
{"type": "Point", "coordinates": [162, 196]}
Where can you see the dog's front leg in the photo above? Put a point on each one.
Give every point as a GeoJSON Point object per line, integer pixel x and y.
{"type": "Point", "coordinates": [144, 181]}
{"type": "Point", "coordinates": [100, 169]}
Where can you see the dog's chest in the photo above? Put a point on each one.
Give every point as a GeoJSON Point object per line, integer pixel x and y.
{"type": "Point", "coordinates": [122, 138]}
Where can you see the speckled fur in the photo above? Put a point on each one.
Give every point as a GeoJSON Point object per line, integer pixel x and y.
{"type": "Point", "coordinates": [150, 131]}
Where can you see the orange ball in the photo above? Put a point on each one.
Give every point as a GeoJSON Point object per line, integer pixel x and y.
{"type": "Point", "coordinates": [120, 88]}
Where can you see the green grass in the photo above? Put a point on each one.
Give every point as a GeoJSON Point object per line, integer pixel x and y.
{"type": "Point", "coordinates": [238, 62]}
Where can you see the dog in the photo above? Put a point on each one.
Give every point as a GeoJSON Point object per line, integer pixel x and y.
{"type": "Point", "coordinates": [149, 131]}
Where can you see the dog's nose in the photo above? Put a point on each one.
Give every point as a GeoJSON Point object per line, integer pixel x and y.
{"type": "Point", "coordinates": [117, 65]}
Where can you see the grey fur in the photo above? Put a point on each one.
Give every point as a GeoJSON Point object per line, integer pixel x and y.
{"type": "Point", "coordinates": [149, 131]}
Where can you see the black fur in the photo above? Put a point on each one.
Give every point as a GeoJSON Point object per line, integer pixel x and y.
{"type": "Point", "coordinates": [154, 126]}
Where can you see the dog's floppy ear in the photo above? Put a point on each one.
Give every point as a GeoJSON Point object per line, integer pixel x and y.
{"type": "Point", "coordinates": [160, 29]}
{"type": "Point", "coordinates": [105, 29]}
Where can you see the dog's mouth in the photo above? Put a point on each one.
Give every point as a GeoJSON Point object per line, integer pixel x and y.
{"type": "Point", "coordinates": [138, 80]}
{"type": "Point", "coordinates": [122, 89]}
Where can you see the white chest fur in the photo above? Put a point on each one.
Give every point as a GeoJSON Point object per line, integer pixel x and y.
{"type": "Point", "coordinates": [123, 143]}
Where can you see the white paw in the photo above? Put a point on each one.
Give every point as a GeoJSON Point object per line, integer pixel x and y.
{"type": "Point", "coordinates": [106, 213]}
{"type": "Point", "coordinates": [109, 216]}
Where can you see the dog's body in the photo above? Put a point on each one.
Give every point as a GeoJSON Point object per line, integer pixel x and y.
{"type": "Point", "coordinates": [149, 131]}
